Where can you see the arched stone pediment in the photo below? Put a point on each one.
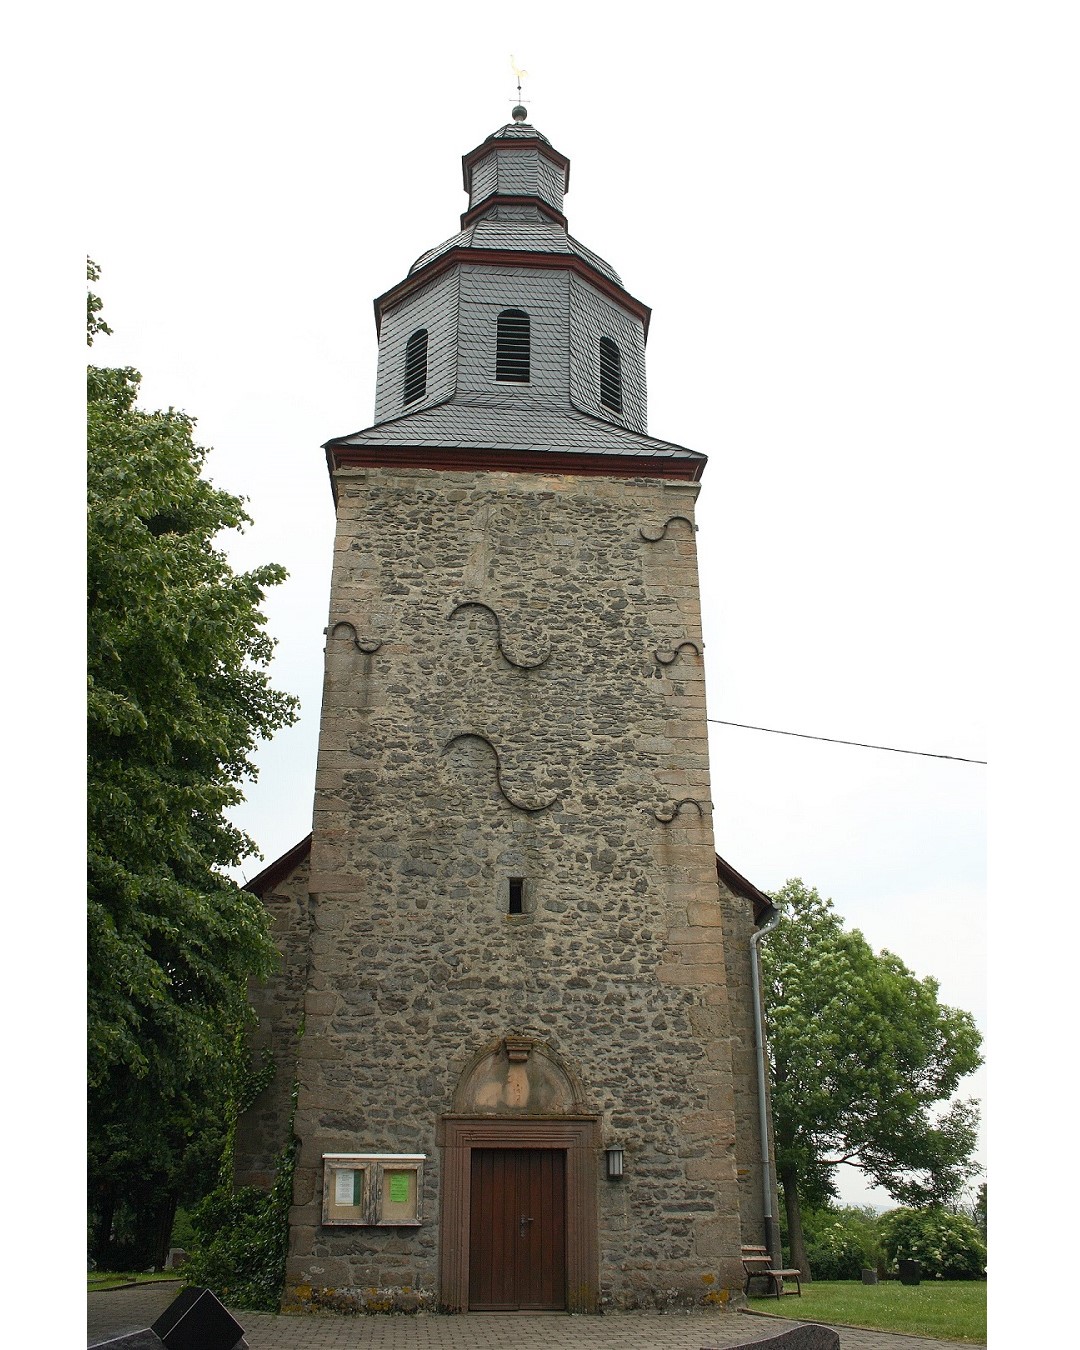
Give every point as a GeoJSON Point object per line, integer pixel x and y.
{"type": "Point", "coordinates": [519, 1077]}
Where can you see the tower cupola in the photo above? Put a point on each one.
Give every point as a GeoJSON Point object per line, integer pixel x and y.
{"type": "Point", "coordinates": [511, 335]}
{"type": "Point", "coordinates": [515, 166]}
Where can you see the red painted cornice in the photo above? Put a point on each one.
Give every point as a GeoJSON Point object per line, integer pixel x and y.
{"type": "Point", "coordinates": [496, 200]}
{"type": "Point", "coordinates": [507, 257]}
{"type": "Point", "coordinates": [514, 143]}
{"type": "Point", "coordinates": [450, 459]}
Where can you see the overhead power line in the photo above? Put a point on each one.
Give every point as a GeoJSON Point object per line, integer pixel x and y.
{"type": "Point", "coordinates": [835, 740]}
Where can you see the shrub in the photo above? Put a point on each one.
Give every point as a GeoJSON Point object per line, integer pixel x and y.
{"type": "Point", "coordinates": [243, 1241]}
{"type": "Point", "coordinates": [946, 1246]}
{"type": "Point", "coordinates": [239, 1252]}
{"type": "Point", "coordinates": [840, 1243]}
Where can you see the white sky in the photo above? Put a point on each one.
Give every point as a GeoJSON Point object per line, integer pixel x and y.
{"type": "Point", "coordinates": [837, 212]}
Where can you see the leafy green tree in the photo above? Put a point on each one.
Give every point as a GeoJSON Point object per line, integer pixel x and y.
{"type": "Point", "coordinates": [178, 698]}
{"type": "Point", "coordinates": [94, 322]}
{"type": "Point", "coordinates": [864, 1060]}
{"type": "Point", "coordinates": [978, 1215]}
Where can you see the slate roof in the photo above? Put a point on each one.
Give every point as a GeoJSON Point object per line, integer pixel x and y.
{"type": "Point", "coordinates": [483, 421]}
{"type": "Point", "coordinates": [526, 236]}
{"type": "Point", "coordinates": [517, 131]}
{"type": "Point", "coordinates": [735, 881]}
{"type": "Point", "coordinates": [281, 868]}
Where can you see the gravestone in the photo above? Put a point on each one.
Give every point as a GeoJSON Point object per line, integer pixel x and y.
{"type": "Point", "coordinates": [910, 1272]}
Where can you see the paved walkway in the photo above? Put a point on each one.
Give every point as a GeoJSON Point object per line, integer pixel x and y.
{"type": "Point", "coordinates": [120, 1311]}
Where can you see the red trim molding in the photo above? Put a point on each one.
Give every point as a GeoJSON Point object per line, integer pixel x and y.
{"type": "Point", "coordinates": [461, 459]}
{"type": "Point", "coordinates": [496, 200]}
{"type": "Point", "coordinates": [514, 143]}
{"type": "Point", "coordinates": [580, 1137]}
{"type": "Point", "coordinates": [506, 257]}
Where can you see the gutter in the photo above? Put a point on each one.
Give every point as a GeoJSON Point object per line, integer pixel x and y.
{"type": "Point", "coordinates": [768, 1188]}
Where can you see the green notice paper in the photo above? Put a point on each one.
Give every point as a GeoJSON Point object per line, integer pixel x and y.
{"type": "Point", "coordinates": [399, 1188]}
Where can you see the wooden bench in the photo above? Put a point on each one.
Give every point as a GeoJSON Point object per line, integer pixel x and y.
{"type": "Point", "coordinates": [757, 1261]}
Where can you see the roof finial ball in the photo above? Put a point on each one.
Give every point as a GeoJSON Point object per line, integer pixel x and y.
{"type": "Point", "coordinates": [519, 114]}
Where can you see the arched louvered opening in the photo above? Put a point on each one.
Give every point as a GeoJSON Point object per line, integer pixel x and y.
{"type": "Point", "coordinates": [416, 366]}
{"type": "Point", "coordinates": [512, 346]}
{"type": "Point", "coordinates": [610, 375]}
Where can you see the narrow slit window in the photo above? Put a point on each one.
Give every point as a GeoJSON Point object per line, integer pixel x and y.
{"type": "Point", "coordinates": [512, 346]}
{"type": "Point", "coordinates": [517, 896]}
{"type": "Point", "coordinates": [610, 375]}
{"type": "Point", "coordinates": [416, 366]}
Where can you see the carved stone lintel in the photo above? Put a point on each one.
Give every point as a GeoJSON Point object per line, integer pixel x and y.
{"type": "Point", "coordinates": [518, 1049]}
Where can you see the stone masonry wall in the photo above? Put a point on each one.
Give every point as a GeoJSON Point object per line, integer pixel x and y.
{"type": "Point", "coordinates": [524, 697]}
{"type": "Point", "coordinates": [738, 927]}
{"type": "Point", "coordinates": [263, 1130]}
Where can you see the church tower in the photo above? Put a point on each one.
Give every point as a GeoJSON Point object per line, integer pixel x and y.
{"type": "Point", "coordinates": [526, 1072]}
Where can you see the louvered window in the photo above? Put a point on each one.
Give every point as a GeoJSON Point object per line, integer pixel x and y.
{"type": "Point", "coordinates": [610, 375]}
{"type": "Point", "coordinates": [416, 366]}
{"type": "Point", "coordinates": [512, 346]}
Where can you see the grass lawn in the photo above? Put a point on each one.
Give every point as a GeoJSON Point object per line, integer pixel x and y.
{"type": "Point", "coordinates": [953, 1310]}
{"type": "Point", "coordinates": [109, 1279]}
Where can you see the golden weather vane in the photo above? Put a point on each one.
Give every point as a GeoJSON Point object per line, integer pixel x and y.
{"type": "Point", "coordinates": [519, 74]}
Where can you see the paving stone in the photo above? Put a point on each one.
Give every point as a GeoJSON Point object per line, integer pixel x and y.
{"type": "Point", "coordinates": [122, 1311]}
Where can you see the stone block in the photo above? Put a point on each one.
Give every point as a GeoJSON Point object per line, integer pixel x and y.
{"type": "Point", "coordinates": [718, 1240]}
{"type": "Point", "coordinates": [340, 886]}
{"type": "Point", "coordinates": [326, 1272]}
{"type": "Point", "coordinates": [809, 1336]}
{"type": "Point", "coordinates": [695, 935]}
{"type": "Point", "coordinates": [686, 974]}
{"type": "Point", "coordinates": [707, 1169]}
{"type": "Point", "coordinates": [699, 953]}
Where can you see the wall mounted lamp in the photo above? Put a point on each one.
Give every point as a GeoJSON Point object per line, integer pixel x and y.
{"type": "Point", "coordinates": [614, 1159]}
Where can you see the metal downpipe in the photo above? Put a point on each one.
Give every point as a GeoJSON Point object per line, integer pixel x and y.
{"type": "Point", "coordinates": [768, 1189]}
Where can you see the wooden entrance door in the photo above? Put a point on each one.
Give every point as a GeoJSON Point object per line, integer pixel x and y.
{"type": "Point", "coordinates": [517, 1229]}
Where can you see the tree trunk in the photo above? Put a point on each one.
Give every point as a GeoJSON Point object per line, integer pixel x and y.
{"type": "Point", "coordinates": [793, 1210]}
{"type": "Point", "coordinates": [103, 1221]}
{"type": "Point", "coordinates": [153, 1228]}
{"type": "Point", "coordinates": [162, 1231]}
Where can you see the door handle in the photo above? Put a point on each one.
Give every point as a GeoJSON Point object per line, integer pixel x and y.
{"type": "Point", "coordinates": [521, 1226]}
